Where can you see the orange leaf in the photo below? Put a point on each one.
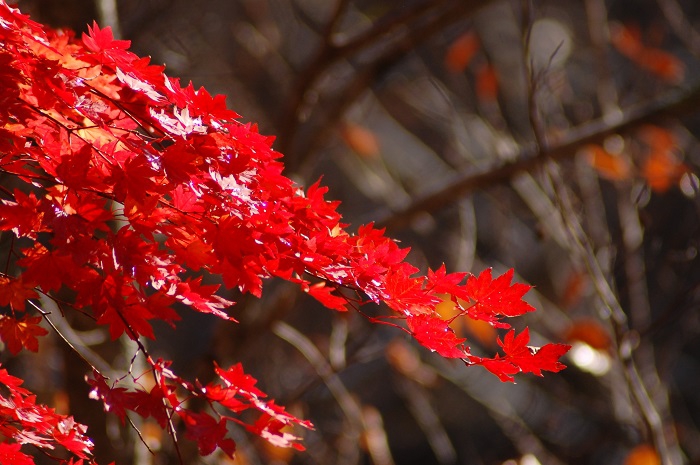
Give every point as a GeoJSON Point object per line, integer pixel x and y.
{"type": "Point", "coordinates": [448, 311]}
{"type": "Point", "coordinates": [662, 64]}
{"type": "Point", "coordinates": [484, 332]}
{"type": "Point", "coordinates": [461, 52]}
{"type": "Point", "coordinates": [608, 166]}
{"type": "Point", "coordinates": [657, 137]}
{"type": "Point", "coordinates": [576, 284]}
{"type": "Point", "coordinates": [643, 454]}
{"type": "Point", "coordinates": [627, 40]}
{"type": "Point", "coordinates": [360, 139]}
{"type": "Point", "coordinates": [487, 83]}
{"type": "Point", "coordinates": [589, 332]}
{"type": "Point", "coordinates": [662, 170]}
{"type": "Point", "coordinates": [405, 359]}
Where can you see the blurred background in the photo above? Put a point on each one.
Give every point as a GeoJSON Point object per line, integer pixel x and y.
{"type": "Point", "coordinates": [555, 137]}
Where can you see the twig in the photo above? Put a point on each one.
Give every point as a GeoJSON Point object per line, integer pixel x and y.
{"type": "Point", "coordinates": [69, 336]}
{"type": "Point", "coordinates": [677, 19]}
{"type": "Point", "coordinates": [673, 105]}
{"type": "Point", "coordinates": [625, 338]}
{"type": "Point", "coordinates": [428, 420]}
{"type": "Point", "coordinates": [414, 25]}
{"type": "Point", "coordinates": [346, 402]}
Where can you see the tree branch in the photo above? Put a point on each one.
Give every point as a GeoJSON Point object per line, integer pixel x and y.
{"type": "Point", "coordinates": [673, 105]}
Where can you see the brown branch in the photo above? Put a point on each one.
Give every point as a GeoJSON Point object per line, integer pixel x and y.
{"type": "Point", "coordinates": [673, 105]}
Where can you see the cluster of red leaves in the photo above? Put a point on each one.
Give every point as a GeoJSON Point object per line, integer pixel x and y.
{"type": "Point", "coordinates": [25, 422]}
{"type": "Point", "coordinates": [236, 392]}
{"type": "Point", "coordinates": [131, 191]}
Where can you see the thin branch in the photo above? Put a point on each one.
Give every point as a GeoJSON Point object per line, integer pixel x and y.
{"type": "Point", "coordinates": [69, 336]}
{"type": "Point", "coordinates": [677, 19]}
{"type": "Point", "coordinates": [345, 400]}
{"type": "Point", "coordinates": [626, 339]}
{"type": "Point", "coordinates": [673, 105]}
{"type": "Point", "coordinates": [428, 420]}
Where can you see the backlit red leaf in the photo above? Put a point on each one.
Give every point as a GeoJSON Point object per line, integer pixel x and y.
{"type": "Point", "coordinates": [18, 334]}
{"type": "Point", "coordinates": [494, 298]}
{"type": "Point", "coordinates": [436, 334]}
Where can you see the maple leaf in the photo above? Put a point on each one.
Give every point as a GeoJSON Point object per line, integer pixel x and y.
{"type": "Point", "coordinates": [180, 124]}
{"type": "Point", "coordinates": [15, 293]}
{"type": "Point", "coordinates": [47, 268]}
{"type": "Point", "coordinates": [323, 293]}
{"type": "Point", "coordinates": [24, 216]}
{"type": "Point", "coordinates": [12, 383]}
{"type": "Point", "coordinates": [90, 127]}
{"type": "Point", "coordinates": [270, 429]}
{"type": "Point", "coordinates": [21, 333]}
{"type": "Point", "coordinates": [138, 85]}
{"type": "Point", "coordinates": [436, 334]}
{"type": "Point", "coordinates": [208, 433]}
{"type": "Point", "coordinates": [129, 319]}
{"type": "Point", "coordinates": [115, 399]}
{"type": "Point", "coordinates": [235, 378]}
{"type": "Point", "coordinates": [10, 455]}
{"type": "Point", "coordinates": [102, 42]}
{"type": "Point", "coordinates": [441, 282]}
{"type": "Point", "coordinates": [151, 404]}
{"type": "Point", "coordinates": [201, 297]}
{"type": "Point", "coordinates": [69, 434]}
{"type": "Point", "coordinates": [496, 297]}
{"type": "Point", "coordinates": [521, 358]}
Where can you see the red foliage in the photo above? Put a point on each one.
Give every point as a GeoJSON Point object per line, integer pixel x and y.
{"type": "Point", "coordinates": [93, 134]}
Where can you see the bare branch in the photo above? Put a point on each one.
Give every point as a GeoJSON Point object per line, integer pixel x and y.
{"type": "Point", "coordinates": [673, 105]}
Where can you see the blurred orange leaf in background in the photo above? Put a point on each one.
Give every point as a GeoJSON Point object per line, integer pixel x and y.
{"type": "Point", "coordinates": [360, 140]}
{"type": "Point", "coordinates": [480, 330]}
{"type": "Point", "coordinates": [487, 83]}
{"type": "Point", "coordinates": [643, 454]}
{"type": "Point", "coordinates": [590, 332]}
{"type": "Point", "coordinates": [461, 51]}
{"type": "Point", "coordinates": [627, 39]}
{"type": "Point", "coordinates": [662, 167]}
{"type": "Point", "coordinates": [609, 166]}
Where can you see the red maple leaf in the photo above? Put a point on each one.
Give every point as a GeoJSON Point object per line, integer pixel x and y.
{"type": "Point", "coordinates": [15, 293]}
{"type": "Point", "coordinates": [115, 399]}
{"type": "Point", "coordinates": [129, 319]}
{"type": "Point", "coordinates": [235, 378]}
{"type": "Point", "coordinates": [521, 358]}
{"type": "Point", "coordinates": [70, 435]}
{"type": "Point", "coordinates": [151, 404]}
{"type": "Point", "coordinates": [208, 433]}
{"type": "Point", "coordinates": [10, 454]}
{"type": "Point", "coordinates": [324, 294]}
{"type": "Point", "coordinates": [270, 429]}
{"type": "Point", "coordinates": [436, 334]}
{"type": "Point", "coordinates": [101, 135]}
{"type": "Point", "coordinates": [494, 298]}
{"type": "Point", "coordinates": [202, 297]}
{"type": "Point", "coordinates": [21, 333]}
{"type": "Point", "coordinates": [103, 43]}
{"type": "Point", "coordinates": [47, 268]}
{"type": "Point", "coordinates": [24, 216]}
